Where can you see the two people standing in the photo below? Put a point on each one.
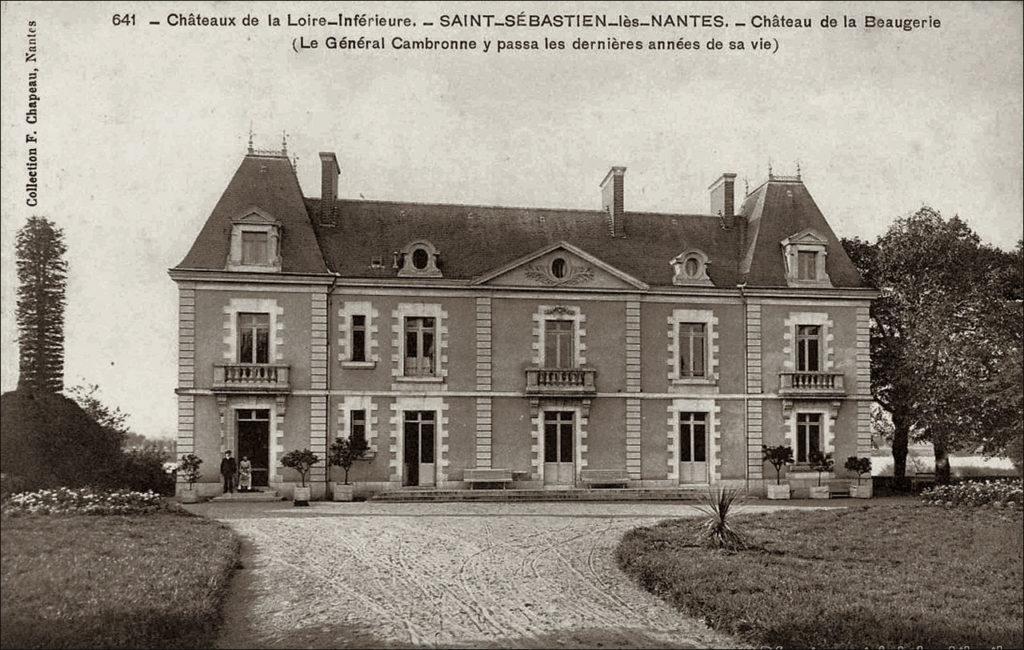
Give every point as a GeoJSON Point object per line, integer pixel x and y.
{"type": "Point", "coordinates": [229, 468]}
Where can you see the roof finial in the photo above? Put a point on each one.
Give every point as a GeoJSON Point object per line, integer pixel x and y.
{"type": "Point", "coordinates": [769, 168]}
{"type": "Point", "coordinates": [798, 170]}
{"type": "Point", "coordinates": [284, 144]}
{"type": "Point", "coordinates": [250, 137]}
{"type": "Point", "coordinates": [746, 186]}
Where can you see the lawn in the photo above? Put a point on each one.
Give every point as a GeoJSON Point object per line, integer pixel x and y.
{"type": "Point", "coordinates": [143, 581]}
{"type": "Point", "coordinates": [867, 576]}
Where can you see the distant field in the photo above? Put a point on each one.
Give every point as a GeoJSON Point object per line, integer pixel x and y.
{"type": "Point", "coordinates": [147, 581]}
{"type": "Point", "coordinates": [922, 459]}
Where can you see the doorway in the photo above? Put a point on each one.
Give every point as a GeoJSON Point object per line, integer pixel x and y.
{"type": "Point", "coordinates": [693, 446]}
{"type": "Point", "coordinates": [418, 448]}
{"type": "Point", "coordinates": [559, 439]}
{"type": "Point", "coordinates": [254, 443]}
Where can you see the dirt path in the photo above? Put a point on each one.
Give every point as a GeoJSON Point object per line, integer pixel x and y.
{"type": "Point", "coordinates": [397, 575]}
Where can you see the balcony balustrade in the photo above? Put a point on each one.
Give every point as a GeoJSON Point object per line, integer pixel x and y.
{"type": "Point", "coordinates": [250, 378]}
{"type": "Point", "coordinates": [811, 384]}
{"type": "Point", "coordinates": [560, 381]}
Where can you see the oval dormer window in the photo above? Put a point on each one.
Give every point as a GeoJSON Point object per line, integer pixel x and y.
{"type": "Point", "coordinates": [420, 258]}
{"type": "Point", "coordinates": [692, 267]}
{"type": "Point", "coordinates": [559, 268]}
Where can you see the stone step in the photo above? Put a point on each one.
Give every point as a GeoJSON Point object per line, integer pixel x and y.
{"type": "Point", "coordinates": [570, 494]}
{"type": "Point", "coordinates": [264, 496]}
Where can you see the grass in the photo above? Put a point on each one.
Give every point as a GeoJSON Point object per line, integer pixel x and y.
{"type": "Point", "coordinates": [147, 581]}
{"type": "Point", "coordinates": [869, 576]}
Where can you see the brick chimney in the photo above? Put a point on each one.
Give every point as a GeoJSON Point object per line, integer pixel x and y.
{"type": "Point", "coordinates": [329, 172]}
{"type": "Point", "coordinates": [611, 200]}
{"type": "Point", "coordinates": [723, 198]}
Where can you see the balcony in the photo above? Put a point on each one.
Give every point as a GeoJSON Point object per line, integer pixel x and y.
{"type": "Point", "coordinates": [560, 381]}
{"type": "Point", "coordinates": [811, 384]}
{"type": "Point", "coordinates": [250, 378]}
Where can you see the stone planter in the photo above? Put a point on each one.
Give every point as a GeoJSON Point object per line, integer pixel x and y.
{"type": "Point", "coordinates": [189, 495]}
{"type": "Point", "coordinates": [301, 496]}
{"type": "Point", "coordinates": [342, 492]}
{"type": "Point", "coordinates": [862, 490]}
{"type": "Point", "coordinates": [776, 491]}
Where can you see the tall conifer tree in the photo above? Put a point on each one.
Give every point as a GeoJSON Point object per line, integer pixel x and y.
{"type": "Point", "coordinates": [42, 276]}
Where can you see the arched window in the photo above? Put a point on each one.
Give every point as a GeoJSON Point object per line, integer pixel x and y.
{"type": "Point", "coordinates": [691, 268]}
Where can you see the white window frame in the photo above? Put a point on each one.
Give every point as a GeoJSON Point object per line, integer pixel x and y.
{"type": "Point", "coordinates": [345, 314]}
{"type": "Point", "coordinates": [255, 220]}
{"type": "Point", "coordinates": [807, 241]}
{"type": "Point", "coordinates": [700, 278]}
{"type": "Point", "coordinates": [710, 321]}
{"type": "Point", "coordinates": [564, 313]}
{"type": "Point", "coordinates": [421, 310]}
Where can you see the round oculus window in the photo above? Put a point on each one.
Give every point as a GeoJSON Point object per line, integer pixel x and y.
{"type": "Point", "coordinates": [420, 258]}
{"type": "Point", "coordinates": [691, 267]}
{"type": "Point", "coordinates": [559, 268]}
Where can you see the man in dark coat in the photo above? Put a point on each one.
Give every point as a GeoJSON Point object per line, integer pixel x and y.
{"type": "Point", "coordinates": [228, 468]}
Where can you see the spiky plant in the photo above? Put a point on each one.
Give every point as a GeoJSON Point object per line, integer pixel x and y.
{"type": "Point", "coordinates": [718, 531]}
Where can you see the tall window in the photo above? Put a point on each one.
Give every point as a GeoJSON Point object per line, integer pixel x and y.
{"type": "Point", "coordinates": [807, 265]}
{"type": "Point", "coordinates": [419, 347]}
{"type": "Point", "coordinates": [808, 348]}
{"type": "Point", "coordinates": [253, 338]}
{"type": "Point", "coordinates": [358, 337]}
{"type": "Point", "coordinates": [357, 424]}
{"type": "Point", "coordinates": [808, 435]}
{"type": "Point", "coordinates": [692, 349]}
{"type": "Point", "coordinates": [255, 247]}
{"type": "Point", "coordinates": [693, 429]}
{"type": "Point", "coordinates": [558, 436]}
{"type": "Point", "coordinates": [558, 344]}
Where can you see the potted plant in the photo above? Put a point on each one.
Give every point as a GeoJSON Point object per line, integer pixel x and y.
{"type": "Point", "coordinates": [344, 452]}
{"type": "Point", "coordinates": [861, 466]}
{"type": "Point", "coordinates": [301, 462]}
{"type": "Point", "coordinates": [188, 468]}
{"type": "Point", "coordinates": [822, 464]}
{"type": "Point", "coordinates": [778, 457]}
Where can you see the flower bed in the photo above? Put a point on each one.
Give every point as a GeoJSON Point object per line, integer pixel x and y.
{"type": "Point", "coordinates": [998, 494]}
{"type": "Point", "coordinates": [82, 501]}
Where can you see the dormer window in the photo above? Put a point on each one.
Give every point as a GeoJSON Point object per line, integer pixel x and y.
{"type": "Point", "coordinates": [804, 255]}
{"type": "Point", "coordinates": [418, 259]}
{"type": "Point", "coordinates": [691, 268]}
{"type": "Point", "coordinates": [255, 242]}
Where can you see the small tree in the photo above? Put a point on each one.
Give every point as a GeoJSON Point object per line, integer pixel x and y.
{"type": "Point", "coordinates": [859, 465]}
{"type": "Point", "coordinates": [821, 463]}
{"type": "Point", "coordinates": [301, 462]}
{"type": "Point", "coordinates": [345, 451]}
{"type": "Point", "coordinates": [718, 531]}
{"type": "Point", "coordinates": [778, 457]}
{"type": "Point", "coordinates": [188, 467]}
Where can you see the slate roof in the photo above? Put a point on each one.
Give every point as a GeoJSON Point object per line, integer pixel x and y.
{"type": "Point", "coordinates": [473, 240]}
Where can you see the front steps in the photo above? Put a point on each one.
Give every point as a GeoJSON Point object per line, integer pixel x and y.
{"type": "Point", "coordinates": [571, 494]}
{"type": "Point", "coordinates": [264, 496]}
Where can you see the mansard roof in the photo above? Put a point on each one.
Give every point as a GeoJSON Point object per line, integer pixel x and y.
{"type": "Point", "coordinates": [360, 237]}
{"type": "Point", "coordinates": [775, 211]}
{"type": "Point", "coordinates": [267, 185]}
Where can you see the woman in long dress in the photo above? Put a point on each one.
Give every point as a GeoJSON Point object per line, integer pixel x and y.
{"type": "Point", "coordinates": [245, 475]}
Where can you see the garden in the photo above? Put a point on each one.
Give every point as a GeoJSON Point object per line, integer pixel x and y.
{"type": "Point", "coordinates": [942, 571]}
{"type": "Point", "coordinates": [85, 568]}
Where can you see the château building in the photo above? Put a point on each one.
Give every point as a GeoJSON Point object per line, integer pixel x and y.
{"type": "Point", "coordinates": [664, 349]}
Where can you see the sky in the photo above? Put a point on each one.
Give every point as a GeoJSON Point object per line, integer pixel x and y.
{"type": "Point", "coordinates": [140, 129]}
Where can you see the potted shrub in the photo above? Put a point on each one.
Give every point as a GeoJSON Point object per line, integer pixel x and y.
{"type": "Point", "coordinates": [861, 466]}
{"type": "Point", "coordinates": [188, 467]}
{"type": "Point", "coordinates": [778, 457]}
{"type": "Point", "coordinates": [344, 452]}
{"type": "Point", "coordinates": [822, 464]}
{"type": "Point", "coordinates": [301, 462]}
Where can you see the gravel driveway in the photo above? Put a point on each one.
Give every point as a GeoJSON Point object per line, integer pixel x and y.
{"type": "Point", "coordinates": [445, 574]}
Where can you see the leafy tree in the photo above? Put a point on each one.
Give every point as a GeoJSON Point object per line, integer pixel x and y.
{"type": "Point", "coordinates": [345, 451]}
{"type": "Point", "coordinates": [42, 276]}
{"type": "Point", "coordinates": [301, 462]}
{"type": "Point", "coordinates": [778, 457]}
{"type": "Point", "coordinates": [942, 328]}
{"type": "Point", "coordinates": [113, 418]}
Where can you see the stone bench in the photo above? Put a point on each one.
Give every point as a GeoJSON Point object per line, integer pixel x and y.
{"type": "Point", "coordinates": [838, 488]}
{"type": "Point", "coordinates": [487, 475]}
{"type": "Point", "coordinates": [592, 477]}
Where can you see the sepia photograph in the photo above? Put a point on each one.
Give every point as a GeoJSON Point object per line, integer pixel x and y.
{"type": "Point", "coordinates": [512, 324]}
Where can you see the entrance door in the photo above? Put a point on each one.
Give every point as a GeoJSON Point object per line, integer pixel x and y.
{"type": "Point", "coordinates": [693, 445]}
{"type": "Point", "coordinates": [559, 431]}
{"type": "Point", "coordinates": [419, 448]}
{"type": "Point", "coordinates": [254, 443]}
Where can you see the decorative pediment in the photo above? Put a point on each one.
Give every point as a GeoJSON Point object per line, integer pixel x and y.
{"type": "Point", "coordinates": [558, 266]}
{"type": "Point", "coordinates": [804, 256]}
{"type": "Point", "coordinates": [256, 217]}
{"type": "Point", "coordinates": [807, 237]}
